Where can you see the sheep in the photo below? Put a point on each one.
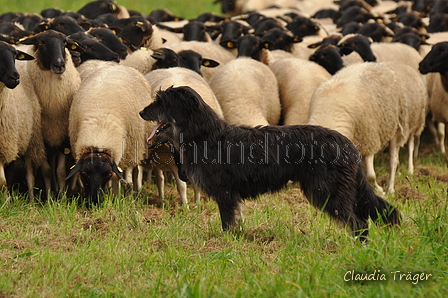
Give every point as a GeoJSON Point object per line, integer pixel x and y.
{"type": "Point", "coordinates": [161, 79]}
{"type": "Point", "coordinates": [141, 60]}
{"type": "Point", "coordinates": [207, 50]}
{"type": "Point", "coordinates": [434, 65]}
{"type": "Point", "coordinates": [247, 91]}
{"type": "Point", "coordinates": [232, 8]}
{"type": "Point", "coordinates": [104, 128]}
{"type": "Point", "coordinates": [379, 51]}
{"type": "Point", "coordinates": [297, 79]}
{"type": "Point", "coordinates": [55, 81]}
{"type": "Point", "coordinates": [373, 104]}
{"type": "Point", "coordinates": [20, 118]}
{"type": "Point", "coordinates": [93, 9]}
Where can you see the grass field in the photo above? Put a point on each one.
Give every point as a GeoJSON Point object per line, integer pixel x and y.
{"type": "Point", "coordinates": [146, 248]}
{"type": "Point", "coordinates": [184, 8]}
{"type": "Point", "coordinates": [141, 247]}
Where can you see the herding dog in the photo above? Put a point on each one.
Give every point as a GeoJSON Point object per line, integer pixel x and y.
{"type": "Point", "coordinates": [233, 163]}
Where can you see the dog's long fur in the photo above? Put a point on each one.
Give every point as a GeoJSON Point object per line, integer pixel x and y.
{"type": "Point", "coordinates": [232, 163]}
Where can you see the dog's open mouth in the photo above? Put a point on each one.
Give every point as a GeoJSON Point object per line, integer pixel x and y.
{"type": "Point", "coordinates": [161, 126]}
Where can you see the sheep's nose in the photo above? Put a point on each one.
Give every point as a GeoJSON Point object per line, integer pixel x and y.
{"type": "Point", "coordinates": [58, 67]}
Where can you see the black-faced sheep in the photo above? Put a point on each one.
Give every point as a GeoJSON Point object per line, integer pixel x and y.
{"type": "Point", "coordinates": [105, 131]}
{"type": "Point", "coordinates": [247, 91]}
{"type": "Point", "coordinates": [55, 81]}
{"type": "Point", "coordinates": [435, 66]}
{"type": "Point", "coordinates": [379, 51]}
{"type": "Point", "coordinates": [19, 117]}
{"type": "Point", "coordinates": [207, 50]}
{"type": "Point", "coordinates": [373, 104]}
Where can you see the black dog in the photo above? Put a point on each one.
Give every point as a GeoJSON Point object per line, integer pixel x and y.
{"type": "Point", "coordinates": [232, 163]}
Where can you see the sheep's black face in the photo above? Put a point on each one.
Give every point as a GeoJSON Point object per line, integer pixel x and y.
{"type": "Point", "coordinates": [95, 170]}
{"type": "Point", "coordinates": [436, 59]}
{"type": "Point", "coordinates": [49, 50]}
{"type": "Point", "coordinates": [8, 72]}
{"type": "Point", "coordinates": [95, 173]}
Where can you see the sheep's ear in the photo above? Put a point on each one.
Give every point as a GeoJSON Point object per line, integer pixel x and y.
{"type": "Point", "coordinates": [74, 169]}
{"type": "Point", "coordinates": [158, 55]}
{"type": "Point", "coordinates": [23, 56]}
{"type": "Point", "coordinates": [314, 45]}
{"type": "Point", "coordinates": [43, 27]}
{"type": "Point", "coordinates": [209, 63]}
{"type": "Point", "coordinates": [73, 45]}
{"type": "Point", "coordinates": [28, 40]}
{"type": "Point", "coordinates": [117, 170]}
{"type": "Point", "coordinates": [115, 30]}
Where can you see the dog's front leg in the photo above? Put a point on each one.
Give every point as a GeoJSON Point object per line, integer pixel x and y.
{"type": "Point", "coordinates": [228, 208]}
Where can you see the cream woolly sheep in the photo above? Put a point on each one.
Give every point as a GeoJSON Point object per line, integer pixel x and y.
{"type": "Point", "coordinates": [20, 117]}
{"type": "Point", "coordinates": [104, 127]}
{"type": "Point", "coordinates": [247, 91]}
{"type": "Point", "coordinates": [55, 81]}
{"type": "Point", "coordinates": [297, 80]}
{"type": "Point", "coordinates": [161, 79]}
{"type": "Point", "coordinates": [373, 104]}
{"type": "Point", "coordinates": [140, 59]}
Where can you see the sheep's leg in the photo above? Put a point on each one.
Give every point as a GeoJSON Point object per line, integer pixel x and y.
{"type": "Point", "coordinates": [114, 184]}
{"type": "Point", "coordinates": [3, 184]}
{"type": "Point", "coordinates": [370, 172]}
{"type": "Point", "coordinates": [411, 151]}
{"type": "Point", "coordinates": [61, 172]}
{"type": "Point", "coordinates": [128, 173]}
{"type": "Point", "coordinates": [160, 182]}
{"type": "Point", "coordinates": [29, 177]}
{"type": "Point", "coordinates": [197, 192]}
{"type": "Point", "coordinates": [433, 130]}
{"type": "Point", "coordinates": [441, 136]}
{"type": "Point", "coordinates": [46, 173]}
{"type": "Point", "coordinates": [393, 156]}
{"type": "Point", "coordinates": [137, 178]}
{"type": "Point", "coordinates": [180, 185]}
{"type": "Point", "coordinates": [416, 145]}
{"type": "Point", "coordinates": [149, 177]}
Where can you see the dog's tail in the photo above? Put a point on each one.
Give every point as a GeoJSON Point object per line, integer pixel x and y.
{"type": "Point", "coordinates": [379, 210]}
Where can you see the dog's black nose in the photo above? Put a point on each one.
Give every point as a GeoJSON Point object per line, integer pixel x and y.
{"type": "Point", "coordinates": [142, 114]}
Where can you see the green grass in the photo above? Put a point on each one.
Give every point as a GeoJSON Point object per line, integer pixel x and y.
{"type": "Point", "coordinates": [184, 8]}
{"type": "Point", "coordinates": [129, 248]}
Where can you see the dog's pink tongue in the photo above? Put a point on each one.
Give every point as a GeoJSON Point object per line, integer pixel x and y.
{"type": "Point", "coordinates": [154, 131]}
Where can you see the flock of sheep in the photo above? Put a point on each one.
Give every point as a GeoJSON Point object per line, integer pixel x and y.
{"type": "Point", "coordinates": [301, 62]}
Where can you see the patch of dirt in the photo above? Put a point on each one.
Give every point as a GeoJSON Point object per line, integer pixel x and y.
{"type": "Point", "coordinates": [260, 235]}
{"type": "Point", "coordinates": [432, 171]}
{"type": "Point", "coordinates": [98, 225]}
{"type": "Point", "coordinates": [406, 192]}
{"type": "Point", "coordinates": [152, 214]}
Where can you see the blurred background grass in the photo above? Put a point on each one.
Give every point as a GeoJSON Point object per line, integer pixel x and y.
{"type": "Point", "coordinates": [185, 8]}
